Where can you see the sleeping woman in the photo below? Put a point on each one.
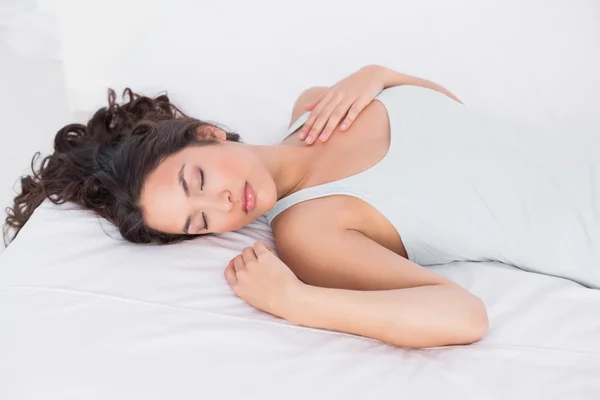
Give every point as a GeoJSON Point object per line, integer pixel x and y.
{"type": "Point", "coordinates": [377, 177]}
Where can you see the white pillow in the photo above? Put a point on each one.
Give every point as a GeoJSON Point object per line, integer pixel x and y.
{"type": "Point", "coordinates": [73, 248]}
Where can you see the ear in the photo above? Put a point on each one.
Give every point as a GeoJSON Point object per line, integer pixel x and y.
{"type": "Point", "coordinates": [211, 133]}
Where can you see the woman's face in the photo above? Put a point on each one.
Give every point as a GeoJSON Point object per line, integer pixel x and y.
{"type": "Point", "coordinates": [216, 187]}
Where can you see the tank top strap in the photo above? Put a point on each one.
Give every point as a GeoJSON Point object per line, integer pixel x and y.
{"type": "Point", "coordinates": [340, 187]}
{"type": "Point", "coordinates": [327, 189]}
{"type": "Point", "coordinates": [298, 123]}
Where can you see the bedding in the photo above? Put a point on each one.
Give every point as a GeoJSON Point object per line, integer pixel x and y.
{"type": "Point", "coordinates": [85, 315]}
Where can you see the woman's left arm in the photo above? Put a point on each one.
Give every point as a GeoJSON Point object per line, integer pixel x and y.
{"type": "Point", "coordinates": [344, 101]}
{"type": "Point", "coordinates": [393, 78]}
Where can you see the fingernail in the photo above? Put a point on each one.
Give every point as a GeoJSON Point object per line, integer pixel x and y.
{"type": "Point", "coordinates": [302, 135]}
{"type": "Point", "coordinates": [344, 126]}
{"type": "Point", "coordinates": [323, 138]}
{"type": "Point", "coordinates": [309, 140]}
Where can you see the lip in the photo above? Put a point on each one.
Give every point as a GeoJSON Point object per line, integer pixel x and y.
{"type": "Point", "coordinates": [249, 197]}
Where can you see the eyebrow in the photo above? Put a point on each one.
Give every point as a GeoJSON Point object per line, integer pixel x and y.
{"type": "Point", "coordinates": [183, 183]}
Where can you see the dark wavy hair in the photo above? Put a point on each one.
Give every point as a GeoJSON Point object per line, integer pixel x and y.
{"type": "Point", "coordinates": [102, 166]}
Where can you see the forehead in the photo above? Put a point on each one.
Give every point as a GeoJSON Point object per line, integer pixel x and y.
{"type": "Point", "coordinates": [162, 199]}
{"type": "Point", "coordinates": [167, 170]}
{"type": "Point", "coordinates": [172, 164]}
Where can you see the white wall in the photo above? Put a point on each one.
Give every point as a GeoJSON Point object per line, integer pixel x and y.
{"type": "Point", "coordinates": [33, 106]}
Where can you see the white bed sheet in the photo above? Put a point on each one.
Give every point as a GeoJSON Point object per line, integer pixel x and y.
{"type": "Point", "coordinates": [85, 316]}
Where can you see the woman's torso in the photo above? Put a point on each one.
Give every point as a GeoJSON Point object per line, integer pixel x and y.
{"type": "Point", "coordinates": [437, 182]}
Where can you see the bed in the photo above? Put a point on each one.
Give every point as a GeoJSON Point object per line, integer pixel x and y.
{"type": "Point", "coordinates": [85, 315]}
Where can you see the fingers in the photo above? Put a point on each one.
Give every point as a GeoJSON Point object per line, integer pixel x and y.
{"type": "Point", "coordinates": [322, 119]}
{"type": "Point", "coordinates": [261, 248]}
{"type": "Point", "coordinates": [334, 120]}
{"type": "Point", "coordinates": [238, 264]}
{"type": "Point", "coordinates": [230, 275]}
{"type": "Point", "coordinates": [248, 255]}
{"type": "Point", "coordinates": [356, 108]}
{"type": "Point", "coordinates": [241, 261]}
{"type": "Point", "coordinates": [314, 115]}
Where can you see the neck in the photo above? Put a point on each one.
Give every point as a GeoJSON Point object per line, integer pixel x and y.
{"type": "Point", "coordinates": [288, 165]}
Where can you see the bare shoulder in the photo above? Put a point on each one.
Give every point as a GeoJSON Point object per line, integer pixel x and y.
{"type": "Point", "coordinates": [317, 245]}
{"type": "Point", "coordinates": [312, 215]}
{"type": "Point", "coordinates": [294, 226]}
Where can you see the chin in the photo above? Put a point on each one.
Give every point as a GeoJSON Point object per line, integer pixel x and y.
{"type": "Point", "coordinates": [266, 206]}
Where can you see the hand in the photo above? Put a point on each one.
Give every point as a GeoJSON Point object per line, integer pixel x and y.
{"type": "Point", "coordinates": [262, 280]}
{"type": "Point", "coordinates": [345, 100]}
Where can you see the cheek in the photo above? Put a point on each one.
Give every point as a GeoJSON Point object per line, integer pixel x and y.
{"type": "Point", "coordinates": [235, 162]}
{"type": "Point", "coordinates": [232, 171]}
{"type": "Point", "coordinates": [267, 191]}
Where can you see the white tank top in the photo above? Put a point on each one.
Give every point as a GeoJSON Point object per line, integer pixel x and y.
{"type": "Point", "coordinates": [460, 185]}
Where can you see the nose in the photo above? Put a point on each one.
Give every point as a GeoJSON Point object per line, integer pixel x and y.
{"type": "Point", "coordinates": [220, 202]}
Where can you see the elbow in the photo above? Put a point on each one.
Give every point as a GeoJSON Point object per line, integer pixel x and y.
{"type": "Point", "coordinates": [476, 323]}
{"type": "Point", "coordinates": [466, 322]}
{"type": "Point", "coordinates": [460, 319]}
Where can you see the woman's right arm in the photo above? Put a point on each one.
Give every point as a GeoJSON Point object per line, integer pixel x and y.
{"type": "Point", "coordinates": [357, 286]}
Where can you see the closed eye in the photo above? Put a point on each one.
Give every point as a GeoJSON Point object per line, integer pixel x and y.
{"type": "Point", "coordinates": [205, 221]}
{"type": "Point", "coordinates": [201, 179]}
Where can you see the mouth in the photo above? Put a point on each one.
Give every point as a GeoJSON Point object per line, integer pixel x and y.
{"type": "Point", "coordinates": [249, 202]}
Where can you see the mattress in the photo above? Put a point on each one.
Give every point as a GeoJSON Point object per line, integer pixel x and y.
{"type": "Point", "coordinates": [85, 315]}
